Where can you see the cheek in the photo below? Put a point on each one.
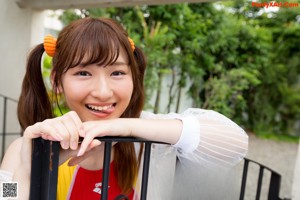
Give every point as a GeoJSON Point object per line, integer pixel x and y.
{"type": "Point", "coordinates": [127, 90]}
{"type": "Point", "coordinates": [74, 93]}
{"type": "Point", "coordinates": [130, 88]}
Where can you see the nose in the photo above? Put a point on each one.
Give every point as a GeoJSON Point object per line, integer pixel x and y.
{"type": "Point", "coordinates": [102, 89]}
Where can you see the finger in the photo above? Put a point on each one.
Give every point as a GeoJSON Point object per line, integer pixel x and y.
{"type": "Point", "coordinates": [78, 123]}
{"type": "Point", "coordinates": [94, 145]}
{"type": "Point", "coordinates": [46, 130]}
{"type": "Point", "coordinates": [88, 143]}
{"type": "Point", "coordinates": [35, 131]}
{"type": "Point", "coordinates": [63, 132]}
{"type": "Point", "coordinates": [71, 125]}
{"type": "Point", "coordinates": [48, 137]}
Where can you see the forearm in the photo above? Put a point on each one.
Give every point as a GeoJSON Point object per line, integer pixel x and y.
{"type": "Point", "coordinates": [17, 161]}
{"type": "Point", "coordinates": [198, 135]}
{"type": "Point", "coordinates": [207, 137]}
{"type": "Point", "coordinates": [22, 173]}
{"type": "Point", "coordinates": [22, 177]}
{"type": "Point", "coordinates": [162, 130]}
{"type": "Point", "coordinates": [167, 130]}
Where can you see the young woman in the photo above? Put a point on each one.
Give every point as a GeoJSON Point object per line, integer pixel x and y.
{"type": "Point", "coordinates": [100, 72]}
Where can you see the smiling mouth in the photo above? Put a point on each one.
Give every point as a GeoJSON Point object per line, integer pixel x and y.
{"type": "Point", "coordinates": [100, 108]}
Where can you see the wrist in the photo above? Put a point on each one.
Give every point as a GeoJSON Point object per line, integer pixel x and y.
{"type": "Point", "coordinates": [122, 127]}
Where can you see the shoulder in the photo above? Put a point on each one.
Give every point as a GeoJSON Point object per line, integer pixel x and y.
{"type": "Point", "coordinates": [12, 155]}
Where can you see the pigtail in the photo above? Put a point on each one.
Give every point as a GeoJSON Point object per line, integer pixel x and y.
{"type": "Point", "coordinates": [140, 60]}
{"type": "Point", "coordinates": [34, 104]}
{"type": "Point", "coordinates": [126, 167]}
{"type": "Point", "coordinates": [126, 161]}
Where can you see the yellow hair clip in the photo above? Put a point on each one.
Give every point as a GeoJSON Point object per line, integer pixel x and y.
{"type": "Point", "coordinates": [50, 45]}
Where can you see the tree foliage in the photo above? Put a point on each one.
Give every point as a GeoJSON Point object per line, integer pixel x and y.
{"type": "Point", "coordinates": [234, 58]}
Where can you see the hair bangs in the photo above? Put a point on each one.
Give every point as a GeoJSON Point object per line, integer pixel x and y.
{"type": "Point", "coordinates": [97, 44]}
{"type": "Point", "coordinates": [100, 52]}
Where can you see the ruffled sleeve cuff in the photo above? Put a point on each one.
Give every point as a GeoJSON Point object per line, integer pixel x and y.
{"type": "Point", "coordinates": [190, 137]}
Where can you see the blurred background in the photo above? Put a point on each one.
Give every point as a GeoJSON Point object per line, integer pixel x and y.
{"type": "Point", "coordinates": [240, 58]}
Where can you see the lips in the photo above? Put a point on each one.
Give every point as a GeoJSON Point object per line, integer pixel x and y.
{"type": "Point", "coordinates": [96, 108]}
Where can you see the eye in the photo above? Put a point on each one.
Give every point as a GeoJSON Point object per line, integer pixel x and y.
{"type": "Point", "coordinates": [82, 73]}
{"type": "Point", "coordinates": [118, 73]}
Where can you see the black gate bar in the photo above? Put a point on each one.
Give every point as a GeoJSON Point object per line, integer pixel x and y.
{"type": "Point", "coordinates": [44, 171]}
{"type": "Point", "coordinates": [274, 186]}
{"type": "Point", "coordinates": [105, 173]}
{"type": "Point", "coordinates": [145, 176]}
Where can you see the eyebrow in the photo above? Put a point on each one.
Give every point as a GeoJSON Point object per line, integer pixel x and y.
{"type": "Point", "coordinates": [120, 63]}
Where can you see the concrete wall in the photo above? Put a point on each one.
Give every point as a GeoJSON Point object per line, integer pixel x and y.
{"type": "Point", "coordinates": [20, 29]}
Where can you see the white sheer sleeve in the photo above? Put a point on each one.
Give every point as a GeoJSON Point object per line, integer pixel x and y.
{"type": "Point", "coordinates": [208, 150]}
{"type": "Point", "coordinates": [208, 138]}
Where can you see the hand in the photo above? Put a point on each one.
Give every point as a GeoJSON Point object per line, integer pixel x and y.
{"type": "Point", "coordinates": [112, 127]}
{"type": "Point", "coordinates": [65, 129]}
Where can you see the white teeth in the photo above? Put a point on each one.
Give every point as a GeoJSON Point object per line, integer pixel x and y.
{"type": "Point", "coordinates": [99, 108]}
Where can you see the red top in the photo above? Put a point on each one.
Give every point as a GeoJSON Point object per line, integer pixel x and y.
{"type": "Point", "coordinates": [87, 185]}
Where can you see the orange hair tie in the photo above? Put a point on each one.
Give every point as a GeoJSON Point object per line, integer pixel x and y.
{"type": "Point", "coordinates": [50, 45]}
{"type": "Point", "coordinates": [131, 43]}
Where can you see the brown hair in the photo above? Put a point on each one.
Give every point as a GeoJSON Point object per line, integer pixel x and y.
{"type": "Point", "coordinates": [86, 41]}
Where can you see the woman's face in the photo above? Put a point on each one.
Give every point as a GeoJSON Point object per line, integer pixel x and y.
{"type": "Point", "coordinates": [97, 92]}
